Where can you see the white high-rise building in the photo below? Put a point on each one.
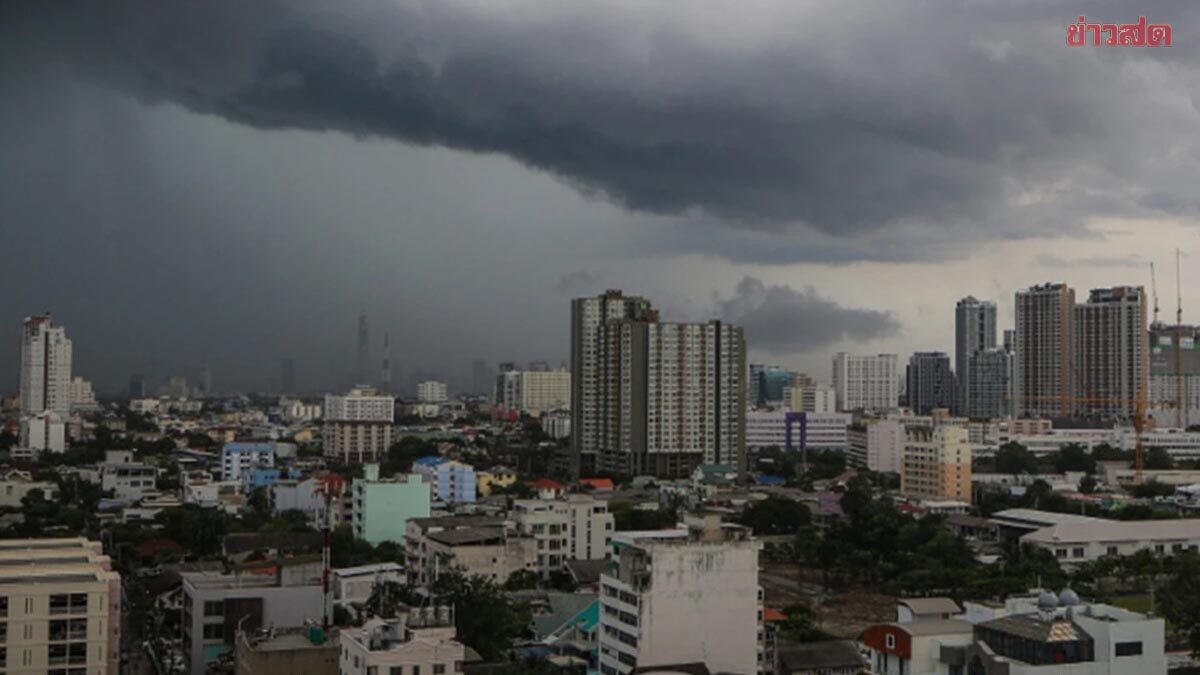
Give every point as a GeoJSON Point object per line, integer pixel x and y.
{"type": "Point", "coordinates": [83, 397]}
{"type": "Point", "coordinates": [45, 368]}
{"type": "Point", "coordinates": [592, 386]}
{"type": "Point", "coordinates": [432, 391]}
{"type": "Point", "coordinates": [974, 331]}
{"type": "Point", "coordinates": [813, 398]}
{"type": "Point", "coordinates": [866, 382]}
{"type": "Point", "coordinates": [358, 426]}
{"type": "Point", "coordinates": [534, 391]}
{"type": "Point", "coordinates": [675, 597]}
{"type": "Point", "coordinates": [1112, 351]}
{"type": "Point", "coordinates": [1045, 362]}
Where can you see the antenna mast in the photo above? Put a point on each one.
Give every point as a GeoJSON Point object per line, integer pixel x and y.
{"type": "Point", "coordinates": [1154, 293]}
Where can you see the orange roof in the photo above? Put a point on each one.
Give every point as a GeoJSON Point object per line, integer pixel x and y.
{"type": "Point", "coordinates": [772, 615]}
{"type": "Point", "coordinates": [547, 484]}
{"type": "Point", "coordinates": [598, 483]}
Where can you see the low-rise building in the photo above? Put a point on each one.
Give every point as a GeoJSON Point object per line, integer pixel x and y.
{"type": "Point", "coordinates": [877, 444]}
{"type": "Point", "coordinates": [217, 606]}
{"type": "Point", "coordinates": [484, 545]}
{"type": "Point", "coordinates": [1074, 543]}
{"type": "Point", "coordinates": [682, 596]}
{"type": "Point", "coordinates": [123, 476]}
{"type": "Point", "coordinates": [419, 641]}
{"type": "Point", "coordinates": [353, 585]}
{"type": "Point", "coordinates": [821, 431]}
{"type": "Point", "coordinates": [297, 495]}
{"type": "Point", "coordinates": [576, 528]}
{"type": "Point", "coordinates": [299, 651]}
{"type": "Point", "coordinates": [15, 485]}
{"type": "Point", "coordinates": [238, 458]}
{"type": "Point", "coordinates": [383, 507]}
{"type": "Point", "coordinates": [450, 481]}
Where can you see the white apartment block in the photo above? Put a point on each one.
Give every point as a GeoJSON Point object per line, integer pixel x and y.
{"type": "Point", "coordinates": [682, 596]}
{"type": "Point", "coordinates": [823, 431]}
{"type": "Point", "coordinates": [358, 425]}
{"type": "Point", "coordinates": [15, 485]}
{"type": "Point", "coordinates": [127, 479]}
{"type": "Point", "coordinates": [1112, 351]}
{"type": "Point", "coordinates": [61, 604]}
{"type": "Point", "coordinates": [674, 397]}
{"type": "Point", "coordinates": [866, 382]}
{"type": "Point", "coordinates": [578, 527]}
{"type": "Point", "coordinates": [45, 431]}
{"type": "Point", "coordinates": [936, 464]}
{"type": "Point", "coordinates": [45, 368]}
{"type": "Point", "coordinates": [812, 398]}
{"type": "Point", "coordinates": [83, 397]}
{"type": "Point", "coordinates": [877, 445]}
{"type": "Point", "coordinates": [534, 391]}
{"type": "Point", "coordinates": [591, 387]}
{"type": "Point", "coordinates": [432, 391]}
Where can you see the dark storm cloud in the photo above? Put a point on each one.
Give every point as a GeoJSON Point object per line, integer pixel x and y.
{"type": "Point", "coordinates": [577, 283]}
{"type": "Point", "coordinates": [782, 320]}
{"type": "Point", "coordinates": [972, 122]}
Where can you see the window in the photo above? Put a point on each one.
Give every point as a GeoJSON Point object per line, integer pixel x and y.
{"type": "Point", "coordinates": [214, 608]}
{"type": "Point", "coordinates": [439, 668]}
{"type": "Point", "coordinates": [1112, 550]}
{"type": "Point", "coordinates": [68, 629]}
{"type": "Point", "coordinates": [1060, 553]}
{"type": "Point", "coordinates": [890, 641]}
{"type": "Point", "coordinates": [214, 631]}
{"type": "Point", "coordinates": [1077, 552]}
{"type": "Point", "coordinates": [1129, 648]}
{"type": "Point", "coordinates": [68, 603]}
{"type": "Point", "coordinates": [396, 670]}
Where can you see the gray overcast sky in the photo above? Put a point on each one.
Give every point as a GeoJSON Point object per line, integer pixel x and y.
{"type": "Point", "coordinates": [229, 183]}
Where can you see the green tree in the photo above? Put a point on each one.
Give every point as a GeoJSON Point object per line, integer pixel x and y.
{"type": "Point", "coordinates": [1087, 485]}
{"type": "Point", "coordinates": [1014, 458]}
{"type": "Point", "coordinates": [800, 624]}
{"type": "Point", "coordinates": [486, 619]}
{"type": "Point", "coordinates": [1179, 601]}
{"type": "Point", "coordinates": [1158, 459]}
{"type": "Point", "coordinates": [776, 515]}
{"type": "Point", "coordinates": [1074, 457]}
{"type": "Point", "coordinates": [522, 580]}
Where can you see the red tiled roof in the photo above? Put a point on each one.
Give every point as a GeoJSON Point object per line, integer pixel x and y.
{"type": "Point", "coordinates": [597, 483]}
{"type": "Point", "coordinates": [547, 484]}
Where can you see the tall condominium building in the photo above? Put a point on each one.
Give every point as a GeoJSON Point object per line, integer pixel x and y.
{"type": "Point", "coordinates": [534, 391]}
{"type": "Point", "coordinates": [678, 597]}
{"type": "Point", "coordinates": [866, 382]}
{"type": "Point", "coordinates": [592, 384]}
{"type": "Point", "coordinates": [974, 331]}
{"type": "Point", "coordinates": [432, 391]}
{"type": "Point", "coordinates": [676, 400]}
{"type": "Point", "coordinates": [45, 367]}
{"type": "Point", "coordinates": [1112, 351]}
{"type": "Point", "coordinates": [814, 398]}
{"type": "Point", "coordinates": [358, 425]}
{"type": "Point", "coordinates": [988, 384]}
{"type": "Point", "coordinates": [61, 601]}
{"type": "Point", "coordinates": [1045, 351]}
{"type": "Point", "coordinates": [929, 381]}
{"type": "Point", "coordinates": [936, 464]}
{"type": "Point", "coordinates": [877, 444]}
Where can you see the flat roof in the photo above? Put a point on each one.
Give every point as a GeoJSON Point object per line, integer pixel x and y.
{"type": "Point", "coordinates": [1035, 519]}
{"type": "Point", "coordinates": [1117, 531]}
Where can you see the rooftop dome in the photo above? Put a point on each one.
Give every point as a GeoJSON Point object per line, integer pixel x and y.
{"type": "Point", "coordinates": [1047, 600]}
{"type": "Point", "coordinates": [1068, 598]}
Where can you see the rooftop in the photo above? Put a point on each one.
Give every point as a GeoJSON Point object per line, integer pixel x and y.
{"type": "Point", "coordinates": [465, 536]}
{"type": "Point", "coordinates": [935, 627]}
{"type": "Point", "coordinates": [1117, 531]}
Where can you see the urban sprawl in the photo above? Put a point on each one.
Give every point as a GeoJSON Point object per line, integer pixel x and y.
{"type": "Point", "coordinates": [659, 504]}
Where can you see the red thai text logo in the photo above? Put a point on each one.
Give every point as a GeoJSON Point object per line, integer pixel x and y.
{"type": "Point", "coordinates": [1123, 35]}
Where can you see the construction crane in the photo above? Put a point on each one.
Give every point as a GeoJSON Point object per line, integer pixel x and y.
{"type": "Point", "coordinates": [1154, 294]}
{"type": "Point", "coordinates": [1178, 346]}
{"type": "Point", "coordinates": [330, 487]}
{"type": "Point", "coordinates": [1138, 418]}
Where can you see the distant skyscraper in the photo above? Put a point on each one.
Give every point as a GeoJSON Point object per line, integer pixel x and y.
{"type": "Point", "coordinates": [206, 381]}
{"type": "Point", "coordinates": [45, 368]}
{"type": "Point", "coordinates": [866, 382]}
{"type": "Point", "coordinates": [481, 380]}
{"type": "Point", "coordinates": [930, 382]}
{"type": "Point", "coordinates": [288, 376]}
{"type": "Point", "coordinates": [989, 390]}
{"type": "Point", "coordinates": [364, 351]}
{"type": "Point", "coordinates": [137, 386]}
{"type": "Point", "coordinates": [1045, 361]}
{"type": "Point", "coordinates": [1111, 351]}
{"type": "Point", "coordinates": [974, 330]}
{"type": "Point", "coordinates": [385, 374]}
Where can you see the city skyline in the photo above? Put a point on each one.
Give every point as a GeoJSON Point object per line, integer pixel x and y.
{"type": "Point", "coordinates": [955, 193]}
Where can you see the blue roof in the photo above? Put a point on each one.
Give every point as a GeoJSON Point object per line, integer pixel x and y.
{"type": "Point", "coordinates": [432, 460]}
{"type": "Point", "coordinates": [769, 480]}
